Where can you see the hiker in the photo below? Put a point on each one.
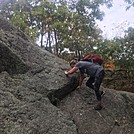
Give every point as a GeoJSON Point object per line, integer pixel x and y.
{"type": "Point", "coordinates": [95, 72]}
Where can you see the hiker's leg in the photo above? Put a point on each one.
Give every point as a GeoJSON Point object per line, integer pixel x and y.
{"type": "Point", "coordinates": [98, 93]}
{"type": "Point", "coordinates": [90, 82]}
{"type": "Point", "coordinates": [97, 83]}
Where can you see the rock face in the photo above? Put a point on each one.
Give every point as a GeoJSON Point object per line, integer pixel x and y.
{"type": "Point", "coordinates": [37, 98]}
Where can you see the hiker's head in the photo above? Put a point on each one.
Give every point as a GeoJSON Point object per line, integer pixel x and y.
{"type": "Point", "coordinates": [72, 63]}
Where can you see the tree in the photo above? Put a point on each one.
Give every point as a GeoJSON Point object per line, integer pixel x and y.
{"type": "Point", "coordinates": [121, 50]}
{"type": "Point", "coordinates": [130, 3]}
{"type": "Point", "coordinates": [59, 24]}
{"type": "Point", "coordinates": [83, 33]}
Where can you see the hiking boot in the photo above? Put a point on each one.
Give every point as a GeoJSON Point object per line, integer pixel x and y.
{"type": "Point", "coordinates": [102, 93]}
{"type": "Point", "coordinates": [98, 107]}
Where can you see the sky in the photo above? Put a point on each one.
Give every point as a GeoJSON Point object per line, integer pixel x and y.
{"type": "Point", "coordinates": [116, 19]}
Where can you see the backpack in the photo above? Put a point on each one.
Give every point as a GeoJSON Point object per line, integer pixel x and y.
{"type": "Point", "coordinates": [93, 58]}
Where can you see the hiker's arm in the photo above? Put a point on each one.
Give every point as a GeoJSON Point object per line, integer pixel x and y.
{"type": "Point", "coordinates": [74, 69]}
{"type": "Point", "coordinates": [82, 77]}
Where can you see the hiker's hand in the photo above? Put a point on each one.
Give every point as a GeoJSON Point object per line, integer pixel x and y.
{"type": "Point", "coordinates": [78, 87]}
{"type": "Point", "coordinates": [66, 73]}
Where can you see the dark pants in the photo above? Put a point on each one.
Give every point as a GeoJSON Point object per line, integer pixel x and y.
{"type": "Point", "coordinates": [95, 82]}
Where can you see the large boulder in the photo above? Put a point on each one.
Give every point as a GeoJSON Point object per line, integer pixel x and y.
{"type": "Point", "coordinates": [37, 98]}
{"type": "Point", "coordinates": [28, 76]}
{"type": "Point", "coordinates": [117, 116]}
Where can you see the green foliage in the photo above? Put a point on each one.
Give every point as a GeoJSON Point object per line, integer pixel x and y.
{"type": "Point", "coordinates": [128, 49]}
{"type": "Point", "coordinates": [121, 50]}
{"type": "Point", "coordinates": [63, 24]}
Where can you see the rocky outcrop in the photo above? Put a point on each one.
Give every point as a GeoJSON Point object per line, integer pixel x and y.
{"type": "Point", "coordinates": [37, 98]}
{"type": "Point", "coordinates": [117, 116]}
{"type": "Point", "coordinates": [28, 74]}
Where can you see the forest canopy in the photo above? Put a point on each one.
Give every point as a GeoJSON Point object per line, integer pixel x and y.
{"type": "Point", "coordinates": [68, 28]}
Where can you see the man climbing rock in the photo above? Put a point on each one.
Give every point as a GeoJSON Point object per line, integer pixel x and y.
{"type": "Point", "coordinates": [95, 72]}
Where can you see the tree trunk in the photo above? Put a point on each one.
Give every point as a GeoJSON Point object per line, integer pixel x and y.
{"type": "Point", "coordinates": [49, 42]}
{"type": "Point", "coordinates": [42, 34]}
{"type": "Point", "coordinates": [56, 43]}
